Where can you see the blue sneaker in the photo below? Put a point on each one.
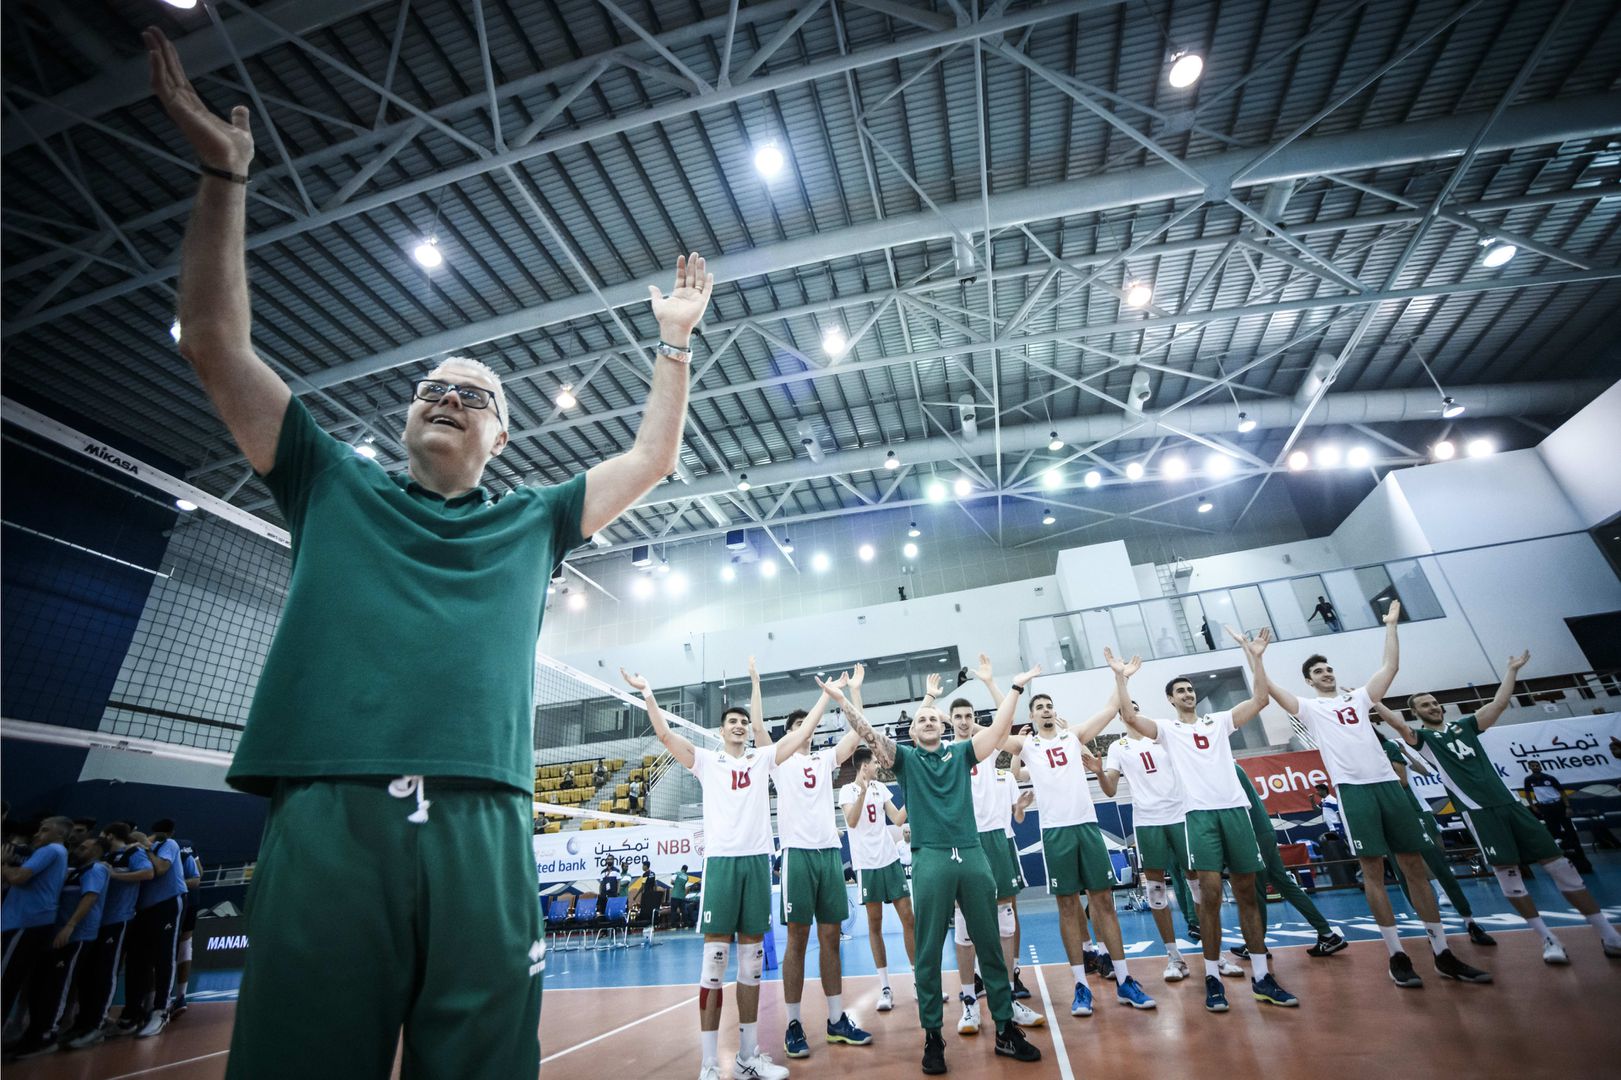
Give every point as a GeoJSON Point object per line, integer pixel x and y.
{"type": "Point", "coordinates": [1215, 997]}
{"type": "Point", "coordinates": [1266, 989]}
{"type": "Point", "coordinates": [794, 1044]}
{"type": "Point", "coordinates": [1082, 1005]}
{"type": "Point", "coordinates": [1130, 992]}
{"type": "Point", "coordinates": [846, 1032]}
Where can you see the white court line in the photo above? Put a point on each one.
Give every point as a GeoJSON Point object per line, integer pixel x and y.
{"type": "Point", "coordinates": [1053, 1023]}
{"type": "Point", "coordinates": [168, 1065]}
{"type": "Point", "coordinates": [617, 1030]}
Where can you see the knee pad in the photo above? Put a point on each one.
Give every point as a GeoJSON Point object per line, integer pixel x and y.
{"type": "Point", "coordinates": [1565, 877]}
{"type": "Point", "coordinates": [750, 963]}
{"type": "Point", "coordinates": [183, 954]}
{"type": "Point", "coordinates": [1006, 924]}
{"type": "Point", "coordinates": [959, 929]}
{"type": "Point", "coordinates": [1155, 891]}
{"type": "Point", "coordinates": [713, 972]}
{"type": "Point", "coordinates": [1510, 881]}
{"type": "Point", "coordinates": [1193, 887]}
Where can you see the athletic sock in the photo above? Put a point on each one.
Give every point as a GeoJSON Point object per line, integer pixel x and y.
{"type": "Point", "coordinates": [711, 1041]}
{"type": "Point", "coordinates": [1258, 966]}
{"type": "Point", "coordinates": [1438, 937]}
{"type": "Point", "coordinates": [1392, 939]}
{"type": "Point", "coordinates": [1172, 952]}
{"type": "Point", "coordinates": [793, 1011]}
{"type": "Point", "coordinates": [835, 1007]}
{"type": "Point", "coordinates": [748, 1041]}
{"type": "Point", "coordinates": [1079, 971]}
{"type": "Point", "coordinates": [883, 978]}
{"type": "Point", "coordinates": [1212, 969]}
{"type": "Point", "coordinates": [1121, 971]}
{"type": "Point", "coordinates": [182, 992]}
{"type": "Point", "coordinates": [1535, 922]}
{"type": "Point", "coordinates": [1606, 932]}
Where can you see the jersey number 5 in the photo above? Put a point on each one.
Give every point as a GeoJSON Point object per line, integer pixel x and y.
{"type": "Point", "coordinates": [739, 779]}
{"type": "Point", "coordinates": [1056, 757]}
{"type": "Point", "coordinates": [810, 777]}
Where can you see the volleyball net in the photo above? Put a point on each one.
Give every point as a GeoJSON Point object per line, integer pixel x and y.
{"type": "Point", "coordinates": [138, 611]}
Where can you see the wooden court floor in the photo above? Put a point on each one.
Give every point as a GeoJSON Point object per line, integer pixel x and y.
{"type": "Point", "coordinates": [1533, 1021]}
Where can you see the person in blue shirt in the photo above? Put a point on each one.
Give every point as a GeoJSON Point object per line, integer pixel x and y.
{"type": "Point", "coordinates": [154, 937]}
{"type": "Point", "coordinates": [78, 918]}
{"type": "Point", "coordinates": [28, 919]}
{"type": "Point", "coordinates": [127, 867]}
{"type": "Point", "coordinates": [191, 868]}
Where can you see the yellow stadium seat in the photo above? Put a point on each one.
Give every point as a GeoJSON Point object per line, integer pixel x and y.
{"type": "Point", "coordinates": [622, 791]}
{"type": "Point", "coordinates": [621, 805]}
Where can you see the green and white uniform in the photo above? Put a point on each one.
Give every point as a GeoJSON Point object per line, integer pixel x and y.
{"type": "Point", "coordinates": [1378, 814]}
{"type": "Point", "coordinates": [1071, 842]}
{"type": "Point", "coordinates": [1218, 827]}
{"type": "Point", "coordinates": [735, 897]}
{"type": "Point", "coordinates": [1507, 832]}
{"type": "Point", "coordinates": [393, 588]}
{"type": "Point", "coordinates": [873, 853]}
{"type": "Point", "coordinates": [1158, 803]}
{"type": "Point", "coordinates": [1009, 789]}
{"type": "Point", "coordinates": [1272, 868]}
{"type": "Point", "coordinates": [812, 860]}
{"type": "Point", "coordinates": [1434, 851]}
{"type": "Point", "coordinates": [991, 811]}
{"type": "Point", "coordinates": [949, 869]}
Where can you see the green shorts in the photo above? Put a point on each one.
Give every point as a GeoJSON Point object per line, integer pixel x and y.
{"type": "Point", "coordinates": [813, 886]}
{"type": "Point", "coordinates": [1511, 835]}
{"type": "Point", "coordinates": [884, 885]}
{"type": "Point", "coordinates": [364, 922]}
{"type": "Point", "coordinates": [1077, 859]}
{"type": "Point", "coordinates": [1161, 847]}
{"type": "Point", "coordinates": [1018, 863]}
{"type": "Point", "coordinates": [994, 843]}
{"type": "Point", "coordinates": [1380, 819]}
{"type": "Point", "coordinates": [736, 895]}
{"type": "Point", "coordinates": [1222, 839]}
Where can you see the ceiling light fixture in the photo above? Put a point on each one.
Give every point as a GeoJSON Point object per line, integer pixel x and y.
{"type": "Point", "coordinates": [1449, 405]}
{"type": "Point", "coordinates": [1298, 461]}
{"type": "Point", "coordinates": [935, 492]}
{"type": "Point", "coordinates": [787, 546]}
{"type": "Point", "coordinates": [768, 160]}
{"type": "Point", "coordinates": [1134, 470]}
{"type": "Point", "coordinates": [427, 253]}
{"type": "Point", "coordinates": [820, 562]}
{"type": "Point", "coordinates": [743, 482]}
{"type": "Point", "coordinates": [834, 343]}
{"type": "Point", "coordinates": [1328, 456]}
{"type": "Point", "coordinates": [891, 461]}
{"type": "Point", "coordinates": [642, 587]}
{"type": "Point", "coordinates": [565, 397]}
{"type": "Point", "coordinates": [1218, 464]}
{"type": "Point", "coordinates": [366, 449]}
{"type": "Point", "coordinates": [1138, 294]}
{"type": "Point", "coordinates": [1246, 424]}
{"type": "Point", "coordinates": [913, 531]}
{"type": "Point", "coordinates": [728, 573]}
{"type": "Point", "coordinates": [183, 5]}
{"type": "Point", "coordinates": [1047, 517]}
{"type": "Point", "coordinates": [1496, 252]}
{"type": "Point", "coordinates": [185, 505]}
{"type": "Point", "coordinates": [1173, 468]}
{"type": "Point", "coordinates": [1443, 450]}
{"type": "Point", "coordinates": [1480, 448]}
{"type": "Point", "coordinates": [1359, 457]}
{"type": "Point", "coordinates": [768, 568]}
{"type": "Point", "coordinates": [1092, 478]}
{"type": "Point", "coordinates": [174, 331]}
{"type": "Point", "coordinates": [1451, 409]}
{"type": "Point", "coordinates": [576, 601]}
{"type": "Point", "coordinates": [663, 566]}
{"type": "Point", "coordinates": [1186, 67]}
{"type": "Point", "coordinates": [1205, 505]}
{"type": "Point", "coordinates": [1052, 479]}
{"type": "Point", "coordinates": [963, 488]}
{"type": "Point", "coordinates": [866, 552]}
{"type": "Point", "coordinates": [1054, 444]}
{"type": "Point", "coordinates": [676, 585]}
{"type": "Point", "coordinates": [909, 550]}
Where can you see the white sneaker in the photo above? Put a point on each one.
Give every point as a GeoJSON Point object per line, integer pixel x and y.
{"type": "Point", "coordinates": [154, 1024]}
{"type": "Point", "coordinates": [709, 1072]}
{"type": "Point", "coordinates": [1228, 968]}
{"type": "Point", "coordinates": [1025, 1016]}
{"type": "Point", "coordinates": [1554, 953]}
{"type": "Point", "coordinates": [969, 1024]}
{"type": "Point", "coordinates": [1176, 970]}
{"type": "Point", "coordinates": [886, 999]}
{"type": "Point", "coordinates": [758, 1067]}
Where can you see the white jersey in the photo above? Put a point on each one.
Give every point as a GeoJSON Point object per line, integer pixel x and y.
{"type": "Point", "coordinates": [805, 800]}
{"type": "Point", "coordinates": [737, 801]}
{"type": "Point", "coordinates": [1157, 797]}
{"type": "Point", "coordinates": [872, 845]}
{"type": "Point", "coordinates": [1007, 789]}
{"type": "Point", "coordinates": [1340, 726]}
{"type": "Point", "coordinates": [1202, 755]}
{"type": "Point", "coordinates": [1062, 792]}
{"type": "Point", "coordinates": [987, 799]}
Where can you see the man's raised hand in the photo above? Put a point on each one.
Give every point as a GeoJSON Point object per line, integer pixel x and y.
{"type": "Point", "coordinates": [983, 672]}
{"type": "Point", "coordinates": [931, 685]}
{"type": "Point", "coordinates": [1022, 679]}
{"type": "Point", "coordinates": [217, 142]}
{"type": "Point", "coordinates": [1393, 616]}
{"type": "Point", "coordinates": [856, 677]}
{"type": "Point", "coordinates": [831, 689]}
{"type": "Point", "coordinates": [680, 311]}
{"type": "Point", "coordinates": [1515, 663]}
{"type": "Point", "coordinates": [635, 682]}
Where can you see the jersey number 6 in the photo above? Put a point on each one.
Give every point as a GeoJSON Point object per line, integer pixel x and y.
{"type": "Point", "coordinates": [1200, 741]}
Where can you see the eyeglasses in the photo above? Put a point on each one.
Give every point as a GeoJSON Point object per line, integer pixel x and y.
{"type": "Point", "coordinates": [472, 397]}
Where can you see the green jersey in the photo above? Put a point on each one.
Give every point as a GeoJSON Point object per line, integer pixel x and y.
{"type": "Point", "coordinates": [1456, 753]}
{"type": "Point", "coordinates": [939, 794]}
{"type": "Point", "coordinates": [1394, 752]}
{"type": "Point", "coordinates": [407, 641]}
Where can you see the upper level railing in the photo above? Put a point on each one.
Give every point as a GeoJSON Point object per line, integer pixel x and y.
{"type": "Point", "coordinates": [1305, 605]}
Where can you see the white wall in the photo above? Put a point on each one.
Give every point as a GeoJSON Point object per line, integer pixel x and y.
{"type": "Point", "coordinates": [1382, 526]}
{"type": "Point", "coordinates": [1262, 564]}
{"type": "Point", "coordinates": [1489, 500]}
{"type": "Point", "coordinates": [1582, 457]}
{"type": "Point", "coordinates": [1097, 575]}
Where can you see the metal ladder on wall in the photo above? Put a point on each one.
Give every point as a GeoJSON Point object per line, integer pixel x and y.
{"type": "Point", "coordinates": [1167, 575]}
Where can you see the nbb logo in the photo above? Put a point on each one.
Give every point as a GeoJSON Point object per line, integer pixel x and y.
{"type": "Point", "coordinates": [681, 846]}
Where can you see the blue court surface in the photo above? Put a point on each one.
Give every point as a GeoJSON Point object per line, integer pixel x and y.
{"type": "Point", "coordinates": [673, 959]}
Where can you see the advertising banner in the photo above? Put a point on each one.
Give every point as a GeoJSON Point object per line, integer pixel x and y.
{"type": "Point", "coordinates": [581, 856]}
{"type": "Point", "coordinates": [1285, 781]}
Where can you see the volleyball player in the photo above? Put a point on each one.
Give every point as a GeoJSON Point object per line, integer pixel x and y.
{"type": "Point", "coordinates": [1072, 843]}
{"type": "Point", "coordinates": [1508, 834]}
{"type": "Point", "coordinates": [1378, 818]}
{"type": "Point", "coordinates": [1329, 941]}
{"type": "Point", "coordinates": [736, 894]}
{"type": "Point", "coordinates": [869, 809]}
{"type": "Point", "coordinates": [812, 868]}
{"type": "Point", "coordinates": [405, 649]}
{"type": "Point", "coordinates": [948, 864]}
{"type": "Point", "coordinates": [1217, 828]}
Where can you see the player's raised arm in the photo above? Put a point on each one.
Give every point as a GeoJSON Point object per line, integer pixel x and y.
{"type": "Point", "coordinates": [800, 738]}
{"type": "Point", "coordinates": [678, 746]}
{"type": "Point", "coordinates": [1488, 714]}
{"type": "Point", "coordinates": [1397, 724]}
{"type": "Point", "coordinates": [883, 747]}
{"type": "Point", "coordinates": [987, 741]}
{"type": "Point", "coordinates": [1099, 720]}
{"type": "Point", "coordinates": [762, 734]}
{"type": "Point", "coordinates": [1379, 682]}
{"type": "Point", "coordinates": [1124, 670]}
{"type": "Point", "coordinates": [215, 316]}
{"type": "Point", "coordinates": [1250, 708]}
{"type": "Point", "coordinates": [613, 485]}
{"type": "Point", "coordinates": [931, 691]}
{"type": "Point", "coordinates": [984, 675]}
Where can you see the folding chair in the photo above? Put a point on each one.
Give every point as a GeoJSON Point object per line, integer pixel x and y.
{"type": "Point", "coordinates": [556, 920]}
{"type": "Point", "coordinates": [615, 923]}
{"type": "Point", "coordinates": [582, 921]}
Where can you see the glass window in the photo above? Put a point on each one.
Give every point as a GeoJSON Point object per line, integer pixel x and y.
{"type": "Point", "coordinates": [1038, 644]}
{"type": "Point", "coordinates": [1417, 598]}
{"type": "Point", "coordinates": [1166, 637]}
{"type": "Point", "coordinates": [1377, 591]}
{"type": "Point", "coordinates": [1249, 612]}
{"type": "Point", "coordinates": [1201, 631]}
{"type": "Point", "coordinates": [1130, 633]}
{"type": "Point", "coordinates": [1345, 593]}
{"type": "Point", "coordinates": [1290, 604]}
{"type": "Point", "coordinates": [1099, 627]}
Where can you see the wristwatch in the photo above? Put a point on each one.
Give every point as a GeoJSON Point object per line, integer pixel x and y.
{"type": "Point", "coordinates": [670, 352]}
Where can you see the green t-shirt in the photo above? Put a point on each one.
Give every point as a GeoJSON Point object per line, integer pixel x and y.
{"type": "Point", "coordinates": [939, 794]}
{"type": "Point", "coordinates": [1455, 751]}
{"type": "Point", "coordinates": [407, 642]}
{"type": "Point", "coordinates": [1394, 752]}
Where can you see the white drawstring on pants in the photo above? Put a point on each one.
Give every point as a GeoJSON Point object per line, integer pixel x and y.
{"type": "Point", "coordinates": [955, 857]}
{"type": "Point", "coordinates": [404, 788]}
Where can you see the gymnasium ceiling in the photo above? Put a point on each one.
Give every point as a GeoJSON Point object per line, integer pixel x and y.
{"type": "Point", "coordinates": [1319, 197]}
